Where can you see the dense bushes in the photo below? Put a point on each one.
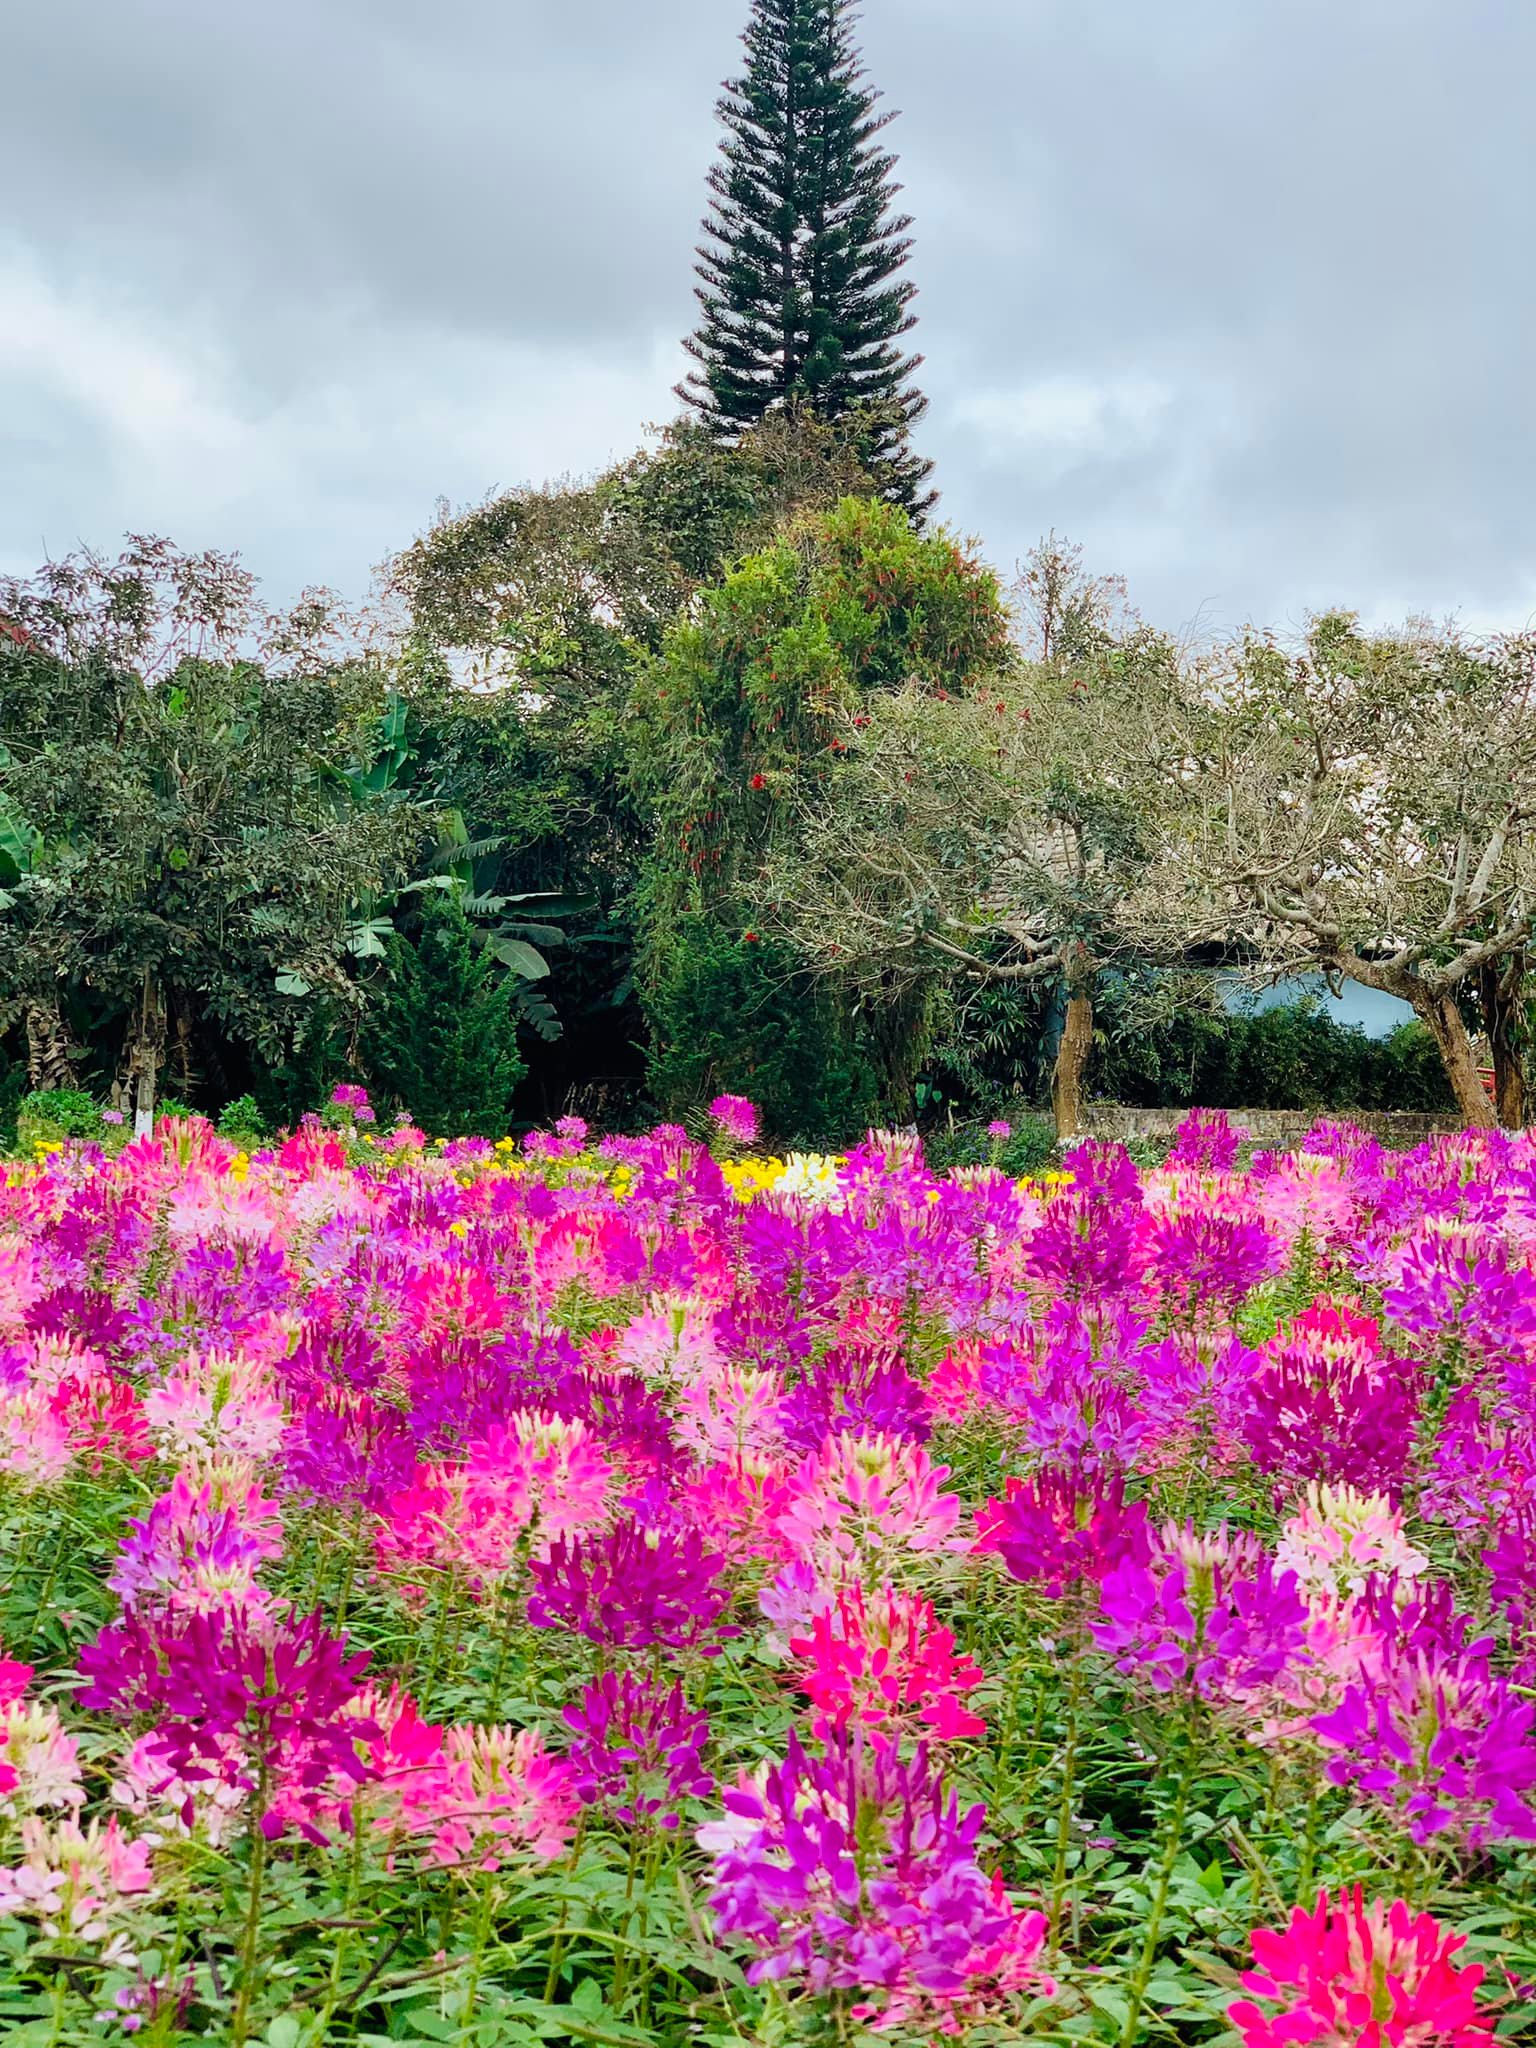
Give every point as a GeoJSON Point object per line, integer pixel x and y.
{"type": "Point", "coordinates": [729, 1014]}
{"type": "Point", "coordinates": [443, 1040]}
{"type": "Point", "coordinates": [1293, 1057]}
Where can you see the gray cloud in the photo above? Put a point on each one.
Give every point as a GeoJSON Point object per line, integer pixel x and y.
{"type": "Point", "coordinates": [1239, 296]}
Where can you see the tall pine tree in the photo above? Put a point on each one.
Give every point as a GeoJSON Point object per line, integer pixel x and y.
{"type": "Point", "coordinates": [803, 301]}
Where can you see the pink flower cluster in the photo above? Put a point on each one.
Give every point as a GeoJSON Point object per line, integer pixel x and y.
{"type": "Point", "coordinates": [1260, 1445]}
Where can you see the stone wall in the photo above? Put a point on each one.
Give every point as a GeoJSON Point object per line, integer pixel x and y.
{"type": "Point", "coordinates": [1280, 1130]}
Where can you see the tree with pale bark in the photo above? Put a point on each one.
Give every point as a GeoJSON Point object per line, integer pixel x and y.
{"type": "Point", "coordinates": [1001, 835]}
{"type": "Point", "coordinates": [1364, 806]}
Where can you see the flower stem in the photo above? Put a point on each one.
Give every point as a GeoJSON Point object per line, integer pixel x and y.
{"type": "Point", "coordinates": [239, 2025]}
{"type": "Point", "coordinates": [1172, 1838]}
{"type": "Point", "coordinates": [1068, 1784]}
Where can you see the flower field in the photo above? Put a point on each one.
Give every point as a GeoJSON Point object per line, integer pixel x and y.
{"type": "Point", "coordinates": [634, 1590]}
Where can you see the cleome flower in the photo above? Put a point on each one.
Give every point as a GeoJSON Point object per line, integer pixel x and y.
{"type": "Point", "coordinates": [1352, 1975]}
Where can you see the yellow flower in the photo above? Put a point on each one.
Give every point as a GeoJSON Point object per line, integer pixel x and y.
{"type": "Point", "coordinates": [458, 1230]}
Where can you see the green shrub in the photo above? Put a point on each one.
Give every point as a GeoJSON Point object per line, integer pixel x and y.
{"type": "Point", "coordinates": [730, 1015]}
{"type": "Point", "coordinates": [1029, 1149]}
{"type": "Point", "coordinates": [443, 1037]}
{"type": "Point", "coordinates": [242, 1122]}
{"type": "Point", "coordinates": [48, 1116]}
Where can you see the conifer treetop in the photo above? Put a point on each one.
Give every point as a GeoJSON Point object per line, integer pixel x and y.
{"type": "Point", "coordinates": [801, 294]}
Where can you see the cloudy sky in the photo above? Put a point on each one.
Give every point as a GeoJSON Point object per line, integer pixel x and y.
{"type": "Point", "coordinates": [1239, 293]}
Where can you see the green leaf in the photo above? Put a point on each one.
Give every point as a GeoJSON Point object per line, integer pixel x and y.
{"type": "Point", "coordinates": [523, 959]}
{"type": "Point", "coordinates": [291, 984]}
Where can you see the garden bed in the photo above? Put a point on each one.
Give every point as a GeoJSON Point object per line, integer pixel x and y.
{"type": "Point", "coordinates": [633, 1590]}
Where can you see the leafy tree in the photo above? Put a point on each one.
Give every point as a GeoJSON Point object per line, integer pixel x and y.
{"type": "Point", "coordinates": [1361, 805]}
{"type": "Point", "coordinates": [188, 856]}
{"type": "Point", "coordinates": [999, 836]}
{"type": "Point", "coordinates": [758, 692]}
{"type": "Point", "coordinates": [731, 1013]}
{"type": "Point", "coordinates": [443, 1040]}
{"type": "Point", "coordinates": [549, 603]}
{"type": "Point", "coordinates": [801, 294]}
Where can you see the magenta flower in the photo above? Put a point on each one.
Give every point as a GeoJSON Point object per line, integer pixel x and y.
{"type": "Point", "coordinates": [1371, 1976]}
{"type": "Point", "coordinates": [1088, 1244]}
{"type": "Point", "coordinates": [1209, 1612]}
{"type": "Point", "coordinates": [1202, 1259]}
{"type": "Point", "coordinates": [1206, 1142]}
{"type": "Point", "coordinates": [857, 1871]}
{"type": "Point", "coordinates": [1326, 1404]}
{"type": "Point", "coordinates": [1061, 1529]}
{"type": "Point", "coordinates": [886, 1662]}
{"type": "Point", "coordinates": [252, 1701]}
{"type": "Point", "coordinates": [631, 1587]}
{"type": "Point", "coordinates": [736, 1117]}
{"type": "Point", "coordinates": [638, 1749]}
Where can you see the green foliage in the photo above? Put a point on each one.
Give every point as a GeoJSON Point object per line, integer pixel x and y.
{"type": "Point", "coordinates": [1294, 1056]}
{"type": "Point", "coordinates": [801, 296]}
{"type": "Point", "coordinates": [1030, 1149]}
{"type": "Point", "coordinates": [740, 716]}
{"type": "Point", "coordinates": [443, 1038]}
{"type": "Point", "coordinates": [742, 709]}
{"type": "Point", "coordinates": [241, 1120]}
{"type": "Point", "coordinates": [199, 857]}
{"type": "Point", "coordinates": [731, 1015]}
{"type": "Point", "coordinates": [49, 1115]}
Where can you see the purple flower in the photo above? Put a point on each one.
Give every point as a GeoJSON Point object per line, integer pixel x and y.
{"type": "Point", "coordinates": [858, 1871]}
{"type": "Point", "coordinates": [736, 1117]}
{"type": "Point", "coordinates": [1062, 1528]}
{"type": "Point", "coordinates": [853, 1390]}
{"type": "Point", "coordinates": [1443, 1742]}
{"type": "Point", "coordinates": [1205, 1611]}
{"type": "Point", "coordinates": [190, 1548]}
{"type": "Point", "coordinates": [638, 1750]}
{"type": "Point", "coordinates": [631, 1587]}
{"type": "Point", "coordinates": [999, 1129]}
{"type": "Point", "coordinates": [252, 1700]}
{"type": "Point", "coordinates": [1452, 1284]}
{"type": "Point", "coordinates": [112, 1116]}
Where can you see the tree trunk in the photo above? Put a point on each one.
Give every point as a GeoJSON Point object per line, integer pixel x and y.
{"type": "Point", "coordinates": [144, 1055]}
{"type": "Point", "coordinates": [1501, 991]}
{"type": "Point", "coordinates": [1441, 1015]}
{"type": "Point", "coordinates": [1071, 1060]}
{"type": "Point", "coordinates": [48, 1061]}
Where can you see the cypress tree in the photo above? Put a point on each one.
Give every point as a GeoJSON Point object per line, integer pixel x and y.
{"type": "Point", "coordinates": [802, 299]}
{"type": "Point", "coordinates": [444, 1037]}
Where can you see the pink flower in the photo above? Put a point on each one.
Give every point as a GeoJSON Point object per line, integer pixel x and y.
{"type": "Point", "coordinates": [1338, 1538]}
{"type": "Point", "coordinates": [1358, 1976]}
{"type": "Point", "coordinates": [40, 1760]}
{"type": "Point", "coordinates": [870, 1503]}
{"type": "Point", "coordinates": [737, 1118]}
{"type": "Point", "coordinates": [886, 1662]}
{"type": "Point", "coordinates": [76, 1882]}
{"type": "Point", "coordinates": [730, 1409]}
{"type": "Point", "coordinates": [218, 1406]}
{"type": "Point", "coordinates": [479, 1793]}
